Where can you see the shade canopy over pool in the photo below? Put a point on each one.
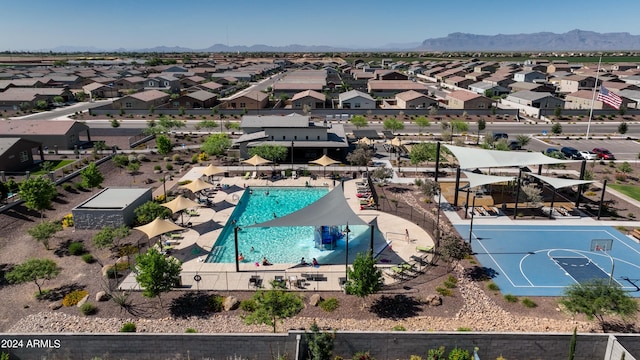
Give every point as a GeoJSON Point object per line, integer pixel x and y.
{"type": "Point", "coordinates": [330, 210]}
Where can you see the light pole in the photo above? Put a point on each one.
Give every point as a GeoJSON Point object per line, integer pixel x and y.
{"type": "Point", "coordinates": [291, 155]}
{"type": "Point", "coordinates": [164, 185]}
{"type": "Point", "coordinates": [437, 244]}
{"type": "Point", "coordinates": [473, 211]}
{"type": "Point", "coordinates": [346, 252]}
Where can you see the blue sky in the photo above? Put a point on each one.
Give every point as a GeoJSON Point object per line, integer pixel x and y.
{"type": "Point", "coordinates": [135, 24]}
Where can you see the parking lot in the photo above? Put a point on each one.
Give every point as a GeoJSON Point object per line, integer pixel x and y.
{"type": "Point", "coordinates": [623, 149]}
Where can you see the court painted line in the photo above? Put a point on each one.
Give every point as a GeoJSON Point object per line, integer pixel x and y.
{"type": "Point", "coordinates": [494, 261]}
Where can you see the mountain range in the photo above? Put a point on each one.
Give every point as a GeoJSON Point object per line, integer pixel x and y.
{"type": "Point", "coordinates": [574, 40]}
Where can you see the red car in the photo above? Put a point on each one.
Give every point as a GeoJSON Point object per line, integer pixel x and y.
{"type": "Point", "coordinates": [603, 154]}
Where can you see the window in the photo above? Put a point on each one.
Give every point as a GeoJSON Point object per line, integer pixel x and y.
{"type": "Point", "coordinates": [318, 137]}
{"type": "Point", "coordinates": [295, 137]}
{"type": "Point", "coordinates": [128, 105]}
{"type": "Point", "coordinates": [150, 83]}
{"type": "Point", "coordinates": [298, 105]}
{"type": "Point", "coordinates": [307, 137]}
{"type": "Point", "coordinates": [284, 137]}
{"type": "Point", "coordinates": [243, 105]}
{"type": "Point", "coordinates": [166, 83]}
{"type": "Point", "coordinates": [24, 156]}
{"type": "Point", "coordinates": [356, 105]}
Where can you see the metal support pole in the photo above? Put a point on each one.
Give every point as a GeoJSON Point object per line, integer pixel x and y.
{"type": "Point", "coordinates": [455, 196]}
{"type": "Point", "coordinates": [604, 187]}
{"type": "Point", "coordinates": [292, 155]}
{"type": "Point", "coordinates": [437, 160]}
{"type": "Point", "coordinates": [515, 210]}
{"type": "Point", "coordinates": [472, 215]}
{"type": "Point", "coordinates": [346, 252]}
{"type": "Point", "coordinates": [371, 239]}
{"type": "Point", "coordinates": [235, 241]}
{"type": "Point", "coordinates": [583, 167]}
{"type": "Point", "coordinates": [553, 197]}
{"type": "Point", "coordinates": [466, 204]}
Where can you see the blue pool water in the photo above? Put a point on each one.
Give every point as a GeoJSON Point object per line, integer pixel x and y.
{"type": "Point", "coordinates": [277, 244]}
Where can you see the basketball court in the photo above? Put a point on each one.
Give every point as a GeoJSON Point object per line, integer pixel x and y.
{"type": "Point", "coordinates": [541, 260]}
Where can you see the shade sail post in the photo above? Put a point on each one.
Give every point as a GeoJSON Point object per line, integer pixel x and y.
{"type": "Point", "coordinates": [235, 244]}
{"type": "Point", "coordinates": [604, 188]}
{"type": "Point", "coordinates": [455, 196]}
{"type": "Point", "coordinates": [371, 239]}
{"type": "Point", "coordinates": [437, 160]}
{"type": "Point", "coordinates": [515, 209]}
{"type": "Point", "coordinates": [553, 197]}
{"type": "Point", "coordinates": [583, 168]}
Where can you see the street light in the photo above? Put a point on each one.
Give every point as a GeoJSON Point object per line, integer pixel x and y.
{"type": "Point", "coordinates": [346, 252]}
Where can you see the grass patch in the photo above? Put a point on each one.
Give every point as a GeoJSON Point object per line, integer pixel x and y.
{"type": "Point", "coordinates": [399, 328]}
{"type": "Point", "coordinates": [493, 286]}
{"type": "Point", "coordinates": [632, 191]}
{"type": "Point", "coordinates": [57, 164]}
{"type": "Point", "coordinates": [511, 298]}
{"type": "Point", "coordinates": [329, 305]}
{"type": "Point", "coordinates": [444, 291]}
{"type": "Point", "coordinates": [529, 303]}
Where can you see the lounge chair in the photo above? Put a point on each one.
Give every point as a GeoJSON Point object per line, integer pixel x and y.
{"type": "Point", "coordinates": [246, 176]}
{"type": "Point", "coordinates": [295, 174]}
{"type": "Point", "coordinates": [254, 175]}
{"type": "Point", "coordinates": [424, 248]}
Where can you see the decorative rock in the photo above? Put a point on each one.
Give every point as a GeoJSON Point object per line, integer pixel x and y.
{"type": "Point", "coordinates": [83, 300]}
{"type": "Point", "coordinates": [55, 305]}
{"type": "Point", "coordinates": [433, 300]}
{"type": "Point", "coordinates": [315, 299]}
{"type": "Point", "coordinates": [230, 303]}
{"type": "Point", "coordinates": [106, 268]}
{"type": "Point", "coordinates": [123, 260]}
{"type": "Point", "coordinates": [102, 296]}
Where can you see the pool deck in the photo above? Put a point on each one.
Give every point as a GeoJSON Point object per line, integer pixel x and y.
{"type": "Point", "coordinates": [390, 244]}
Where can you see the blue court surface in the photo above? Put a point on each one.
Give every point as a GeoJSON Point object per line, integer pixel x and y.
{"type": "Point", "coordinates": [532, 260]}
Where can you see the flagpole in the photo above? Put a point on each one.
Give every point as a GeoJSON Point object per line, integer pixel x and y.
{"type": "Point", "coordinates": [593, 98]}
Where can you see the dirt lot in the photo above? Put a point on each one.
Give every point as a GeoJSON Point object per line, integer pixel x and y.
{"type": "Point", "coordinates": [403, 303]}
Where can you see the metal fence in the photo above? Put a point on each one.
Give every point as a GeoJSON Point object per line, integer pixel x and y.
{"type": "Point", "coordinates": [400, 208]}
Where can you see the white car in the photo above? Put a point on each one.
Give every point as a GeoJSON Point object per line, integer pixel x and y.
{"type": "Point", "coordinates": [588, 155]}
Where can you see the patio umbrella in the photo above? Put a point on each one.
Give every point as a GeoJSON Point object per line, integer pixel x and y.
{"type": "Point", "coordinates": [396, 141]}
{"type": "Point", "coordinates": [212, 170]}
{"type": "Point", "coordinates": [197, 185]}
{"type": "Point", "coordinates": [324, 161]}
{"type": "Point", "coordinates": [179, 204]}
{"type": "Point", "coordinates": [365, 140]}
{"type": "Point", "coordinates": [158, 227]}
{"type": "Point", "coordinates": [256, 160]}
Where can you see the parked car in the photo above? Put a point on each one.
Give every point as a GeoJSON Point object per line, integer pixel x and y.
{"type": "Point", "coordinates": [515, 145]}
{"type": "Point", "coordinates": [571, 153]}
{"type": "Point", "coordinates": [588, 155]}
{"type": "Point", "coordinates": [500, 135]}
{"type": "Point", "coordinates": [603, 154]}
{"type": "Point", "coordinates": [554, 152]}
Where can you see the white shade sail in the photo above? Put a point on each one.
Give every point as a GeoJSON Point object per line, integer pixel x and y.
{"type": "Point", "coordinates": [476, 180]}
{"type": "Point", "coordinates": [473, 157]}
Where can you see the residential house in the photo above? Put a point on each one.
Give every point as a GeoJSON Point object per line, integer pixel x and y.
{"type": "Point", "coordinates": [389, 75]}
{"type": "Point", "coordinates": [531, 101]}
{"type": "Point", "coordinates": [310, 98]}
{"type": "Point", "coordinates": [194, 100]}
{"type": "Point", "coordinates": [129, 84]}
{"type": "Point", "coordinates": [144, 100]}
{"type": "Point", "coordinates": [190, 81]}
{"type": "Point", "coordinates": [529, 76]}
{"type": "Point", "coordinates": [16, 154]}
{"type": "Point", "coordinates": [467, 100]}
{"type": "Point", "coordinates": [355, 99]}
{"type": "Point", "coordinates": [305, 139]}
{"type": "Point", "coordinates": [389, 88]}
{"type": "Point", "coordinates": [253, 100]}
{"type": "Point", "coordinates": [100, 91]}
{"type": "Point", "coordinates": [527, 86]}
{"type": "Point", "coordinates": [163, 82]}
{"type": "Point", "coordinates": [573, 83]}
{"type": "Point", "coordinates": [488, 89]}
{"type": "Point", "coordinates": [414, 100]}
{"type": "Point", "coordinates": [458, 82]}
{"type": "Point", "coordinates": [209, 86]}
{"type": "Point", "coordinates": [64, 134]}
{"type": "Point", "coordinates": [13, 98]}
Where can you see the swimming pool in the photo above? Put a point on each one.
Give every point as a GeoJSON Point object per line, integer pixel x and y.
{"type": "Point", "coordinates": [277, 244]}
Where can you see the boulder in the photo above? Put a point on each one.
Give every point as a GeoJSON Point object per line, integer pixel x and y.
{"type": "Point", "coordinates": [123, 260]}
{"type": "Point", "coordinates": [230, 303]}
{"type": "Point", "coordinates": [315, 299]}
{"type": "Point", "coordinates": [106, 268]}
{"type": "Point", "coordinates": [83, 300]}
{"type": "Point", "coordinates": [433, 300]}
{"type": "Point", "coordinates": [102, 296]}
{"type": "Point", "coordinates": [55, 305]}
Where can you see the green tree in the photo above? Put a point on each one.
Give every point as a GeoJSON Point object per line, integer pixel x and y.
{"type": "Point", "coordinates": [361, 156]}
{"type": "Point", "coordinates": [99, 146]}
{"type": "Point", "coordinates": [164, 144]}
{"type": "Point", "coordinates": [359, 121]}
{"type": "Point", "coordinates": [422, 152]}
{"type": "Point", "coordinates": [42, 105]}
{"type": "Point", "coordinates": [557, 112]}
{"type": "Point", "coordinates": [320, 343]}
{"type": "Point", "coordinates": [422, 122]}
{"type": "Point", "coordinates": [459, 126]}
{"type": "Point", "coordinates": [120, 161]}
{"type": "Point", "coordinates": [623, 128]}
{"type": "Point", "coordinates": [44, 231]}
{"type": "Point", "coordinates": [108, 235]}
{"type": "Point", "coordinates": [556, 129]}
{"type": "Point", "coordinates": [430, 188]}
{"type": "Point", "coordinates": [206, 124]}
{"type": "Point", "coordinates": [157, 273]}
{"type": "Point", "coordinates": [216, 144]}
{"type": "Point", "coordinates": [36, 270]}
{"type": "Point", "coordinates": [81, 96]}
{"type": "Point", "coordinates": [274, 153]}
{"type": "Point", "coordinates": [481, 124]}
{"type": "Point", "coordinates": [115, 123]}
{"type": "Point", "coordinates": [37, 193]}
{"type": "Point", "coordinates": [149, 211]}
{"type": "Point", "coordinates": [4, 191]}
{"type": "Point", "coordinates": [365, 278]}
{"type": "Point", "coordinates": [58, 99]}
{"type": "Point", "coordinates": [393, 125]}
{"type": "Point", "coordinates": [91, 176]}
{"type": "Point", "coordinates": [598, 298]}
{"type": "Point", "coordinates": [382, 173]}
{"type": "Point", "coordinates": [273, 305]}
{"type": "Point", "coordinates": [523, 140]}
{"type": "Point", "coordinates": [625, 167]}
{"type": "Point", "coordinates": [163, 125]}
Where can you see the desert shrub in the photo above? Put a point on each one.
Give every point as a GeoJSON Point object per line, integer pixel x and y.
{"type": "Point", "coordinates": [127, 249]}
{"type": "Point", "coordinates": [88, 309]}
{"type": "Point", "coordinates": [444, 291]}
{"type": "Point", "coordinates": [128, 327]}
{"type": "Point", "coordinates": [329, 305]}
{"type": "Point", "coordinates": [88, 258]}
{"type": "Point", "coordinates": [361, 355]}
{"type": "Point", "coordinates": [176, 157]}
{"type": "Point", "coordinates": [67, 187]}
{"type": "Point", "coordinates": [157, 167]}
{"type": "Point", "coordinates": [459, 354]}
{"type": "Point", "coordinates": [76, 248]}
{"type": "Point", "coordinates": [169, 166]}
{"type": "Point", "coordinates": [529, 303]}
{"type": "Point", "coordinates": [511, 298]}
{"type": "Point", "coordinates": [191, 331]}
{"type": "Point", "coordinates": [194, 158]}
{"type": "Point", "coordinates": [67, 221]}
{"type": "Point", "coordinates": [464, 329]}
{"type": "Point", "coordinates": [74, 297]}
{"type": "Point", "coordinates": [449, 285]}
{"type": "Point", "coordinates": [248, 305]}
{"type": "Point", "coordinates": [418, 182]}
{"type": "Point", "coordinates": [141, 157]}
{"type": "Point", "coordinates": [621, 177]}
{"type": "Point", "coordinates": [493, 286]}
{"type": "Point", "coordinates": [399, 328]}
{"type": "Point", "coordinates": [215, 303]}
{"type": "Point", "coordinates": [117, 269]}
{"type": "Point", "coordinates": [79, 186]}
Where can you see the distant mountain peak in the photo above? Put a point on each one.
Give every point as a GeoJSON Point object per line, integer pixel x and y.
{"type": "Point", "coordinates": [542, 41]}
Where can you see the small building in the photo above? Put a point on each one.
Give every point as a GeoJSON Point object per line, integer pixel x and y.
{"type": "Point", "coordinates": [141, 101]}
{"type": "Point", "coordinates": [355, 99]}
{"type": "Point", "coordinates": [63, 134]}
{"type": "Point", "coordinates": [467, 100]}
{"type": "Point", "coordinates": [251, 101]}
{"type": "Point", "coordinates": [110, 207]}
{"type": "Point", "coordinates": [313, 99]}
{"type": "Point", "coordinates": [414, 100]}
{"type": "Point", "coordinates": [16, 154]}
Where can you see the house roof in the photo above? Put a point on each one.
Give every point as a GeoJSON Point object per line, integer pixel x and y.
{"type": "Point", "coordinates": [309, 93]}
{"type": "Point", "coordinates": [463, 95]}
{"type": "Point", "coordinates": [395, 85]}
{"type": "Point", "coordinates": [38, 127]}
{"type": "Point", "coordinates": [149, 95]}
{"type": "Point", "coordinates": [94, 86]}
{"type": "Point", "coordinates": [273, 121]}
{"type": "Point", "coordinates": [530, 95]}
{"type": "Point", "coordinates": [253, 95]}
{"type": "Point", "coordinates": [7, 143]}
{"type": "Point", "coordinates": [582, 94]}
{"type": "Point", "coordinates": [353, 94]}
{"type": "Point", "coordinates": [410, 95]}
{"type": "Point", "coordinates": [201, 95]}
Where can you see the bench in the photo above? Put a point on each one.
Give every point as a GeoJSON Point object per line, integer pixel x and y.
{"type": "Point", "coordinates": [568, 208]}
{"type": "Point", "coordinates": [488, 209]}
{"type": "Point", "coordinates": [636, 233]}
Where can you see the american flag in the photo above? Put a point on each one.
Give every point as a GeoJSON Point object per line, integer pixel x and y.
{"type": "Point", "coordinates": [609, 98]}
